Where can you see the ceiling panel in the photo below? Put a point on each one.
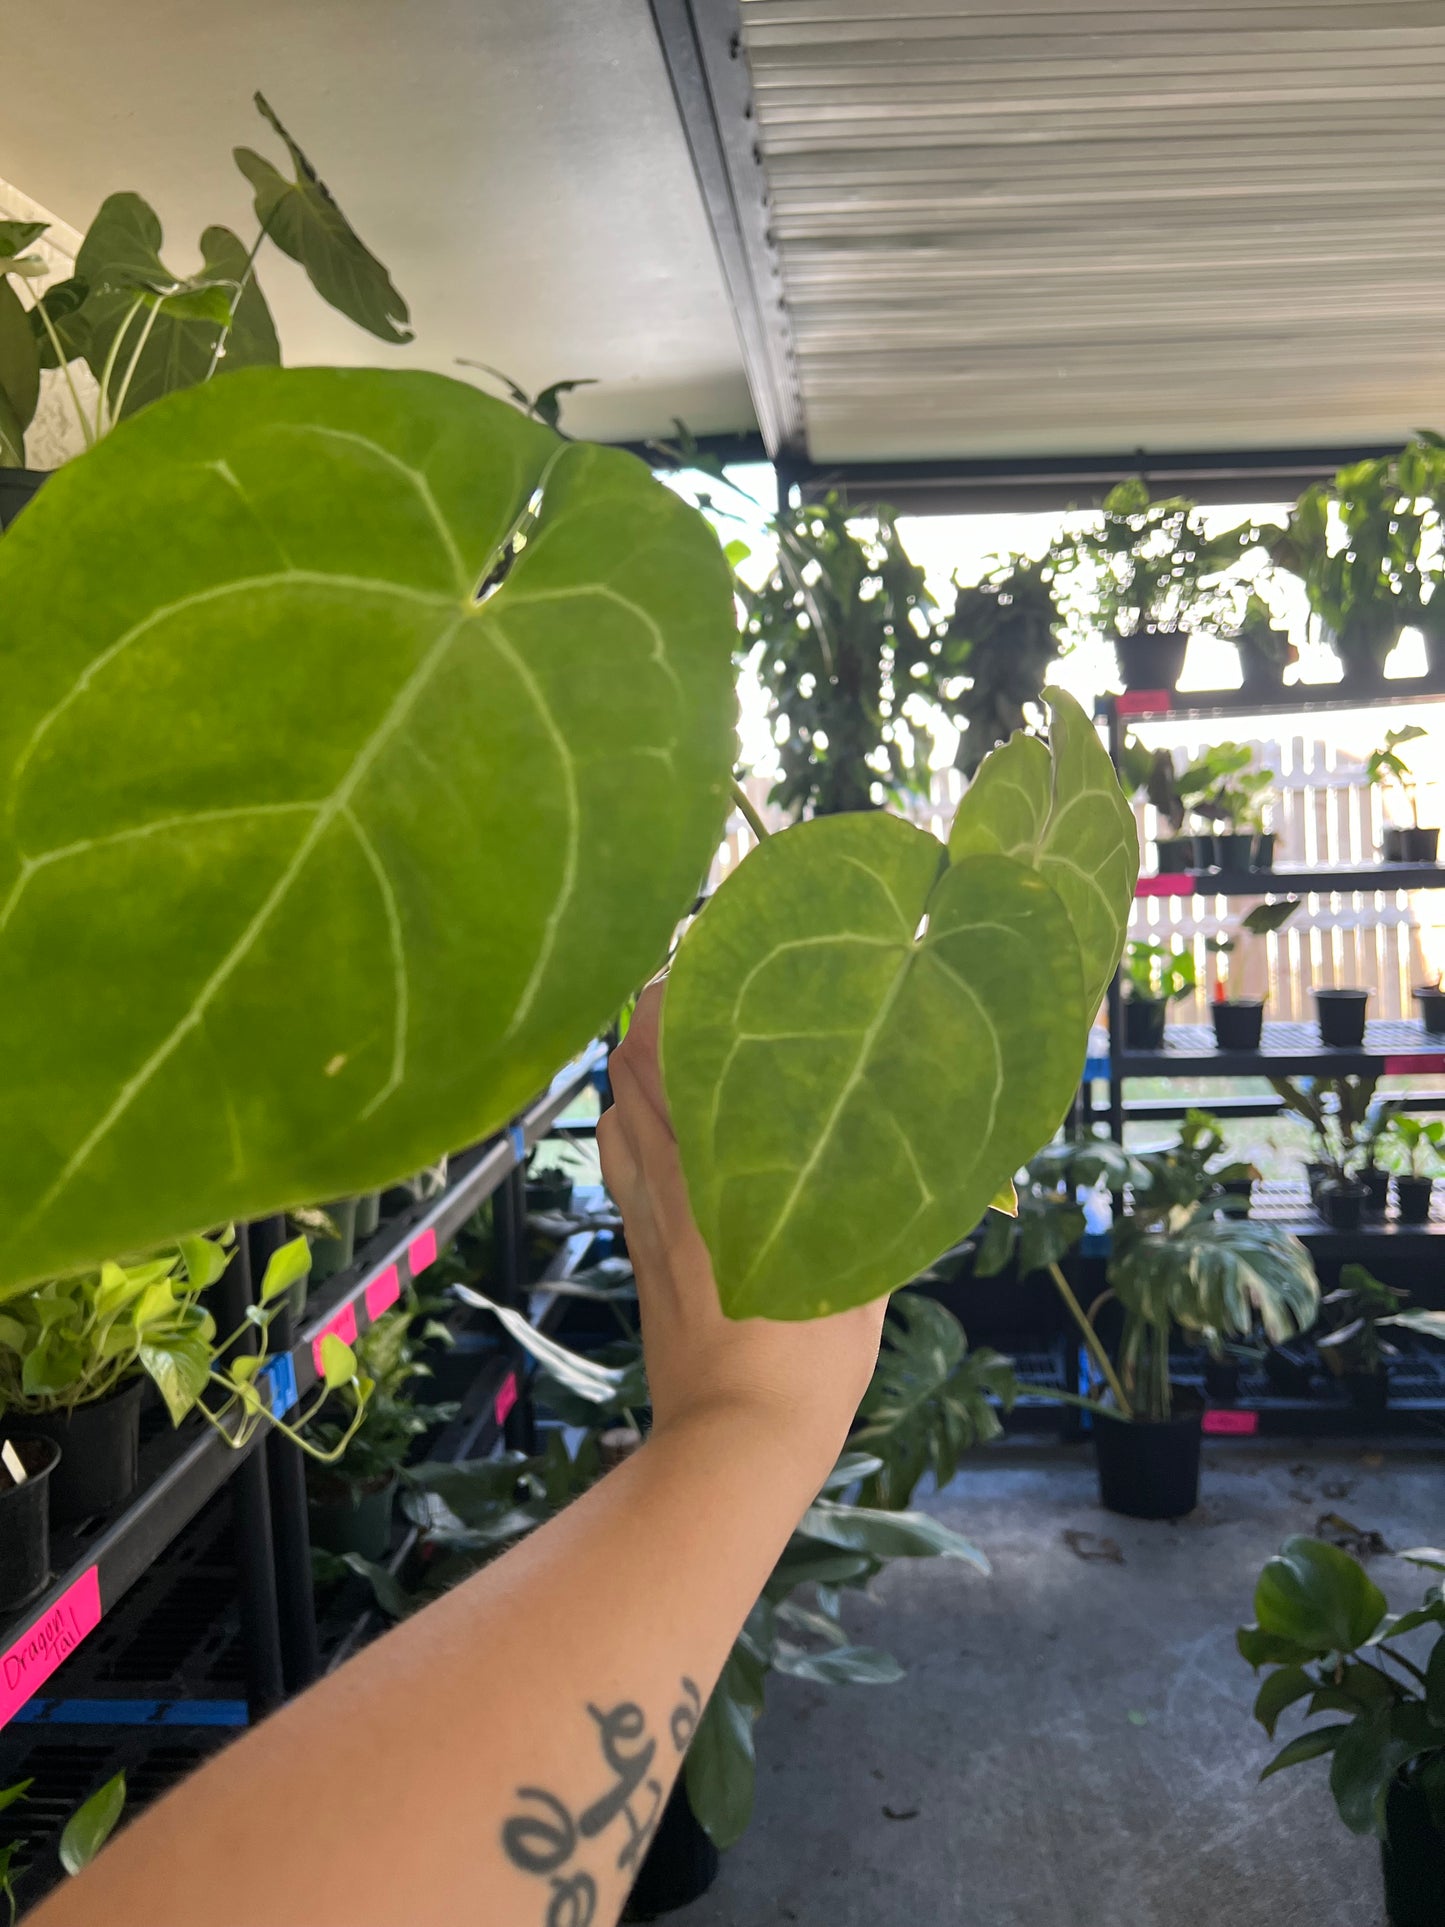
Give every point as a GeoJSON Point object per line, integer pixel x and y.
{"type": "Point", "coordinates": [1059, 227]}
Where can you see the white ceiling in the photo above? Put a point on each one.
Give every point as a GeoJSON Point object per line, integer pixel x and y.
{"type": "Point", "coordinates": [1058, 227]}
{"type": "Point", "coordinates": [518, 165]}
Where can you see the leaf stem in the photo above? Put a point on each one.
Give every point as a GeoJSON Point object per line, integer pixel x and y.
{"type": "Point", "coordinates": [103, 398]}
{"type": "Point", "coordinates": [749, 815]}
{"type": "Point", "coordinates": [63, 363]}
{"type": "Point", "coordinates": [134, 362]}
{"type": "Point", "coordinates": [1091, 1339]}
{"type": "Point", "coordinates": [247, 274]}
{"type": "Point", "coordinates": [1400, 1660]}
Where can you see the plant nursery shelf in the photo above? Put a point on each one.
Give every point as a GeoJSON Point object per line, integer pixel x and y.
{"type": "Point", "coordinates": [1142, 705]}
{"type": "Point", "coordinates": [181, 1471]}
{"type": "Point", "coordinates": [1395, 1046]}
{"type": "Point", "coordinates": [1320, 881]}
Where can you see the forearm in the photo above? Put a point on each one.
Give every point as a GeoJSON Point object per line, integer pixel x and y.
{"type": "Point", "coordinates": [502, 1757]}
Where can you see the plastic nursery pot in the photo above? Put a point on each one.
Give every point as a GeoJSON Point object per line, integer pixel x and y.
{"type": "Point", "coordinates": [1317, 1173]}
{"type": "Point", "coordinates": [1174, 854]}
{"type": "Point", "coordinates": [1204, 856]}
{"type": "Point", "coordinates": [1408, 845]}
{"type": "Point", "coordinates": [368, 1215]}
{"type": "Point", "coordinates": [1412, 1854]}
{"type": "Point", "coordinates": [330, 1255]}
{"type": "Point", "coordinates": [552, 1192]}
{"type": "Point", "coordinates": [346, 1521]}
{"type": "Point", "coordinates": [1377, 1190]}
{"type": "Point", "coordinates": [1143, 1024]}
{"type": "Point", "coordinates": [680, 1864]}
{"type": "Point", "coordinates": [1260, 674]}
{"type": "Point", "coordinates": [1149, 1468]}
{"type": "Point", "coordinates": [99, 1452]}
{"type": "Point", "coordinates": [1341, 1016]}
{"type": "Point", "coordinates": [1431, 999]}
{"type": "Point", "coordinates": [1239, 1188]}
{"type": "Point", "coordinates": [25, 1524]}
{"type": "Point", "coordinates": [1221, 1380]}
{"type": "Point", "coordinates": [1234, 851]}
{"type": "Point", "coordinates": [1151, 658]}
{"type": "Point", "coordinates": [1368, 1391]}
{"type": "Point", "coordinates": [1263, 858]}
{"type": "Point", "coordinates": [1289, 1372]}
{"type": "Point", "coordinates": [1238, 1024]}
{"type": "Point", "coordinates": [1342, 1205]}
{"type": "Point", "coordinates": [1413, 1195]}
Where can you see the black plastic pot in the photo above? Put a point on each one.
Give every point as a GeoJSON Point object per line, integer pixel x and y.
{"type": "Point", "coordinates": [1174, 854]}
{"type": "Point", "coordinates": [1149, 1468]}
{"type": "Point", "coordinates": [25, 1525]}
{"type": "Point", "coordinates": [551, 1192]}
{"type": "Point", "coordinates": [1264, 851]}
{"type": "Point", "coordinates": [1151, 659]}
{"type": "Point", "coordinates": [1369, 1392]}
{"type": "Point", "coordinates": [1239, 1188]}
{"type": "Point", "coordinates": [1317, 1173]}
{"type": "Point", "coordinates": [17, 487]}
{"type": "Point", "coordinates": [368, 1215]}
{"type": "Point", "coordinates": [1289, 1372]}
{"type": "Point", "coordinates": [679, 1866]}
{"type": "Point", "coordinates": [1204, 856]}
{"type": "Point", "coordinates": [1413, 1195]}
{"type": "Point", "coordinates": [1408, 845]}
{"type": "Point", "coordinates": [1234, 850]}
{"type": "Point", "coordinates": [99, 1452]}
{"type": "Point", "coordinates": [1431, 999]}
{"type": "Point", "coordinates": [1377, 1190]}
{"type": "Point", "coordinates": [343, 1521]}
{"type": "Point", "coordinates": [1341, 1016]}
{"type": "Point", "coordinates": [1342, 1204]}
{"type": "Point", "coordinates": [1221, 1380]}
{"type": "Point", "coordinates": [1412, 1855]}
{"type": "Point", "coordinates": [1238, 1024]}
{"type": "Point", "coordinates": [1143, 1024]}
{"type": "Point", "coordinates": [1262, 675]}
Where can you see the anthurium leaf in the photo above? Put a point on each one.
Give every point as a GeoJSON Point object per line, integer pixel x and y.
{"type": "Point", "coordinates": [1318, 1596]}
{"type": "Point", "coordinates": [421, 845]}
{"type": "Point", "coordinates": [304, 221]}
{"type": "Point", "coordinates": [91, 1825]}
{"type": "Point", "coordinates": [863, 1039]}
{"type": "Point", "coordinates": [19, 356]}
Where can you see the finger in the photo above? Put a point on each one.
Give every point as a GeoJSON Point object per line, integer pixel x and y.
{"type": "Point", "coordinates": [640, 1050]}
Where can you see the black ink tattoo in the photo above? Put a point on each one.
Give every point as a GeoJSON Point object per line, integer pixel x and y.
{"type": "Point", "coordinates": [616, 1729]}
{"type": "Point", "coordinates": [686, 1716]}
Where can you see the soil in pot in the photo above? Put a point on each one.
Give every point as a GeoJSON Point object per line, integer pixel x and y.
{"type": "Point", "coordinates": [1412, 1855]}
{"type": "Point", "coordinates": [1238, 1024]}
{"type": "Point", "coordinates": [1431, 999]}
{"type": "Point", "coordinates": [1174, 854]}
{"type": "Point", "coordinates": [25, 1524]}
{"type": "Point", "coordinates": [1342, 1205]}
{"type": "Point", "coordinates": [1413, 1195]}
{"type": "Point", "coordinates": [99, 1452]}
{"type": "Point", "coordinates": [1263, 851]}
{"type": "Point", "coordinates": [346, 1520]}
{"type": "Point", "coordinates": [1288, 1371]}
{"type": "Point", "coordinates": [1234, 852]}
{"type": "Point", "coordinates": [1341, 1016]}
{"type": "Point", "coordinates": [1149, 1468]}
{"type": "Point", "coordinates": [1377, 1190]}
{"type": "Point", "coordinates": [1221, 1380]}
{"type": "Point", "coordinates": [680, 1864]}
{"type": "Point", "coordinates": [1143, 1024]}
{"type": "Point", "coordinates": [1368, 1392]}
{"type": "Point", "coordinates": [1151, 658]}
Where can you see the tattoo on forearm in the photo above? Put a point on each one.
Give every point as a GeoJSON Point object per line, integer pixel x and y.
{"type": "Point", "coordinates": [544, 1840]}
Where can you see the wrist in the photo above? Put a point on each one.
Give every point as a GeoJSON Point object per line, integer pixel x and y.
{"type": "Point", "coordinates": [795, 1447]}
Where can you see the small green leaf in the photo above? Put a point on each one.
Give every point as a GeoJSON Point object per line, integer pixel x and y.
{"type": "Point", "coordinates": [1317, 1596]}
{"type": "Point", "coordinates": [889, 1535]}
{"type": "Point", "coordinates": [302, 218]}
{"type": "Point", "coordinates": [284, 1268]}
{"type": "Point", "coordinates": [10, 1794]}
{"type": "Point", "coordinates": [845, 1666]}
{"type": "Point", "coordinates": [19, 357]}
{"type": "Point", "coordinates": [1280, 1690]}
{"type": "Point", "coordinates": [205, 1259]}
{"type": "Point", "coordinates": [91, 1825]}
{"type": "Point", "coordinates": [180, 1368]}
{"type": "Point", "coordinates": [338, 1362]}
{"type": "Point", "coordinates": [1308, 1746]}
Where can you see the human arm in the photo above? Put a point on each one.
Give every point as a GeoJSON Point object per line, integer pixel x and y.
{"type": "Point", "coordinates": [435, 1779]}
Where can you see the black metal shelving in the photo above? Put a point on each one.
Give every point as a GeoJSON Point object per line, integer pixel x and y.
{"type": "Point", "coordinates": [1322, 881]}
{"type": "Point", "coordinates": [1393, 1046]}
{"type": "Point", "coordinates": [1292, 699]}
{"type": "Point", "coordinates": [180, 1472]}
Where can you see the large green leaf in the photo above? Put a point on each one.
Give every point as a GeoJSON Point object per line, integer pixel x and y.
{"type": "Point", "coordinates": [1318, 1597]}
{"type": "Point", "coordinates": [304, 221]}
{"type": "Point", "coordinates": [314, 864]}
{"type": "Point", "coordinates": [863, 1038]}
{"type": "Point", "coordinates": [19, 357]}
{"type": "Point", "coordinates": [720, 1770]}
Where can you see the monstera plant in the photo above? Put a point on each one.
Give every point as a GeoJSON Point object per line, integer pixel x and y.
{"type": "Point", "coordinates": [262, 942]}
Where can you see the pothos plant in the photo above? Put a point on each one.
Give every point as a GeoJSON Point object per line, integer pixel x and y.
{"type": "Point", "coordinates": [535, 761]}
{"type": "Point", "coordinates": [145, 332]}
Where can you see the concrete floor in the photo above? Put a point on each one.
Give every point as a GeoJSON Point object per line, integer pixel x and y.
{"type": "Point", "coordinates": [1073, 1745]}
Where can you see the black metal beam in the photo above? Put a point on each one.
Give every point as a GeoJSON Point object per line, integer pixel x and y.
{"type": "Point", "coordinates": [701, 43]}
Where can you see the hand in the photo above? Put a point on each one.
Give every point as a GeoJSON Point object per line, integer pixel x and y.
{"type": "Point", "coordinates": [805, 1378]}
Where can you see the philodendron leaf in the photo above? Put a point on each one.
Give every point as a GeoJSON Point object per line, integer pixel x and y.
{"type": "Point", "coordinates": [304, 221]}
{"type": "Point", "coordinates": [865, 1035]}
{"type": "Point", "coordinates": [313, 865]}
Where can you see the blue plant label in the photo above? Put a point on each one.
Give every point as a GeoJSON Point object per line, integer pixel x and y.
{"type": "Point", "coordinates": [280, 1376]}
{"type": "Point", "coordinates": [517, 1138]}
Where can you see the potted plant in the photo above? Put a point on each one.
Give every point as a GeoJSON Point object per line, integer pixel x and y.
{"type": "Point", "coordinates": [1340, 1014]}
{"type": "Point", "coordinates": [1346, 1125]}
{"type": "Point", "coordinates": [1239, 1020]}
{"type": "Point", "coordinates": [26, 1467]}
{"type": "Point", "coordinates": [1155, 974]}
{"type": "Point", "coordinates": [1323, 1633]}
{"type": "Point", "coordinates": [1141, 572]}
{"type": "Point", "coordinates": [1265, 652]}
{"type": "Point", "coordinates": [1234, 797]}
{"type": "Point", "coordinates": [1386, 768]}
{"type": "Point", "coordinates": [1372, 1174]}
{"type": "Point", "coordinates": [350, 1498]}
{"type": "Point", "coordinates": [1150, 775]}
{"type": "Point", "coordinates": [1002, 638]}
{"type": "Point", "coordinates": [1352, 1348]}
{"type": "Point", "coordinates": [1415, 1146]}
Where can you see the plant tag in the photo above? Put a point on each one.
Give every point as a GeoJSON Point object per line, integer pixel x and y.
{"type": "Point", "coordinates": [517, 1138]}
{"type": "Point", "coordinates": [383, 1292]}
{"type": "Point", "coordinates": [421, 1252]}
{"type": "Point", "coordinates": [1230, 1424]}
{"type": "Point", "coordinates": [506, 1398]}
{"type": "Point", "coordinates": [1143, 702]}
{"type": "Point", "coordinates": [280, 1376]}
{"type": "Point", "coordinates": [342, 1326]}
{"type": "Point", "coordinates": [1167, 885]}
{"type": "Point", "coordinates": [47, 1641]}
{"type": "Point", "coordinates": [1423, 1060]}
{"type": "Point", "coordinates": [14, 1464]}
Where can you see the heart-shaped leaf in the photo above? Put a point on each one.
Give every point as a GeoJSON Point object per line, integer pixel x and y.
{"type": "Point", "coordinates": [313, 864]}
{"type": "Point", "coordinates": [302, 218]}
{"type": "Point", "coordinates": [865, 1035]}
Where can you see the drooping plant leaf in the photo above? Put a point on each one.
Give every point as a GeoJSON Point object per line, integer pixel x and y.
{"type": "Point", "coordinates": [1318, 1597]}
{"type": "Point", "coordinates": [19, 357]}
{"type": "Point", "coordinates": [390, 853]}
{"type": "Point", "coordinates": [865, 1035]}
{"type": "Point", "coordinates": [302, 218]}
{"type": "Point", "coordinates": [91, 1825]}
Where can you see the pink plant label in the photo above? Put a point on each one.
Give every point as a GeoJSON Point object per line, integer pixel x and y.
{"type": "Point", "coordinates": [1164, 886]}
{"type": "Point", "coordinates": [1429, 1060]}
{"type": "Point", "coordinates": [383, 1292]}
{"type": "Point", "coordinates": [1228, 1424]}
{"type": "Point", "coordinates": [422, 1252]}
{"type": "Point", "coordinates": [342, 1326]}
{"type": "Point", "coordinates": [1144, 702]}
{"type": "Point", "coordinates": [47, 1641]}
{"type": "Point", "coordinates": [506, 1398]}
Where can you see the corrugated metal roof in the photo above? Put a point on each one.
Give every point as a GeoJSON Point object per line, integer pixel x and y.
{"type": "Point", "coordinates": [1059, 227]}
